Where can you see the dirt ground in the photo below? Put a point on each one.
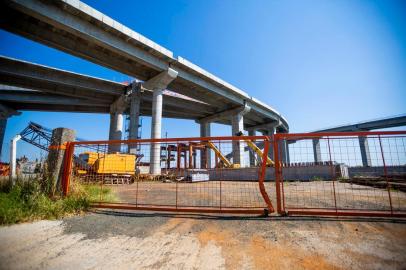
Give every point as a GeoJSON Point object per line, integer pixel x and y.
{"type": "Point", "coordinates": [135, 240]}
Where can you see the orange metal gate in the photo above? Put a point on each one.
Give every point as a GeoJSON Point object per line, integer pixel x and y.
{"type": "Point", "coordinates": [214, 174]}
{"type": "Point", "coordinates": [342, 173]}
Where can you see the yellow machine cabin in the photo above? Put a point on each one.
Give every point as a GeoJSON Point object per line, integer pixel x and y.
{"type": "Point", "coordinates": [109, 163]}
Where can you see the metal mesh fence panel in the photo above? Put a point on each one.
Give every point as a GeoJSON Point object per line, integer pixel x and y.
{"type": "Point", "coordinates": [193, 174]}
{"type": "Point", "coordinates": [357, 173]}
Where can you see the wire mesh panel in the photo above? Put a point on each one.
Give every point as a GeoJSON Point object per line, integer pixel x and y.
{"type": "Point", "coordinates": [357, 173]}
{"type": "Point", "coordinates": [223, 174]}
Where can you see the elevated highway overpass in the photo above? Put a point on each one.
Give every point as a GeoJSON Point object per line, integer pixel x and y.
{"type": "Point", "coordinates": [29, 86]}
{"type": "Point", "coordinates": [78, 29]}
{"type": "Point", "coordinates": [382, 123]}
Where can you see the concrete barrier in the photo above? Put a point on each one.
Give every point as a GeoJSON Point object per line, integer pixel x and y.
{"type": "Point", "coordinates": [376, 171]}
{"type": "Point", "coordinates": [305, 173]}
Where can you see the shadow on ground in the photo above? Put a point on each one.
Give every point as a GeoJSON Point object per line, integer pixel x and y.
{"type": "Point", "coordinates": [241, 217]}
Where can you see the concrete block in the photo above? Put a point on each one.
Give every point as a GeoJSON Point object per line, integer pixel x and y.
{"type": "Point", "coordinates": [56, 155]}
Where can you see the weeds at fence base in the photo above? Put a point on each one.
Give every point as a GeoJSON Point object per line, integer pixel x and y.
{"type": "Point", "coordinates": [95, 194]}
{"type": "Point", "coordinates": [26, 201]}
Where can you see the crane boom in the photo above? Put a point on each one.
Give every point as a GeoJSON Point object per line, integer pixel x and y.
{"type": "Point", "coordinates": [269, 162]}
{"type": "Point", "coordinates": [225, 161]}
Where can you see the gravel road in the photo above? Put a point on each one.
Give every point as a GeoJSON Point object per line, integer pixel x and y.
{"type": "Point", "coordinates": [124, 240]}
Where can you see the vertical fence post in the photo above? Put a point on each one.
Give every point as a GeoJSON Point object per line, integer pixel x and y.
{"type": "Point", "coordinates": [176, 182]}
{"type": "Point", "coordinates": [333, 174]}
{"type": "Point", "coordinates": [67, 168]}
{"type": "Point", "coordinates": [221, 174]}
{"type": "Point", "coordinates": [278, 174]}
{"type": "Point", "coordinates": [262, 176]}
{"type": "Point", "coordinates": [386, 174]}
{"type": "Point", "coordinates": [55, 160]}
{"type": "Point", "coordinates": [104, 166]}
{"type": "Point", "coordinates": [178, 154]}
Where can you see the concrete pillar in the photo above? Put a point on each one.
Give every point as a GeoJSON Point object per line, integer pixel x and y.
{"type": "Point", "coordinates": [13, 158]}
{"type": "Point", "coordinates": [156, 123]}
{"type": "Point", "coordinates": [205, 155]}
{"type": "Point", "coordinates": [116, 123]}
{"type": "Point", "coordinates": [237, 123]}
{"type": "Point", "coordinates": [270, 132]}
{"type": "Point", "coordinates": [284, 152]}
{"type": "Point", "coordinates": [251, 152]}
{"type": "Point", "coordinates": [316, 150]}
{"type": "Point", "coordinates": [116, 130]}
{"type": "Point", "coordinates": [56, 156]}
{"type": "Point", "coordinates": [5, 113]}
{"type": "Point", "coordinates": [3, 125]}
{"type": "Point", "coordinates": [157, 84]}
{"type": "Point", "coordinates": [365, 155]}
{"type": "Point", "coordinates": [135, 103]}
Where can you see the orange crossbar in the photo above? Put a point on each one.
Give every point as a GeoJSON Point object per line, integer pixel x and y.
{"type": "Point", "coordinates": [125, 206]}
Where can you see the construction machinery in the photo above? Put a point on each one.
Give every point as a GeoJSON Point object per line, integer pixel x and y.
{"type": "Point", "coordinates": [256, 149]}
{"type": "Point", "coordinates": [184, 151]}
{"type": "Point", "coordinates": [227, 164]}
{"type": "Point", "coordinates": [224, 161]}
{"type": "Point", "coordinates": [109, 168]}
{"type": "Point", "coordinates": [90, 166]}
{"type": "Point", "coordinates": [259, 152]}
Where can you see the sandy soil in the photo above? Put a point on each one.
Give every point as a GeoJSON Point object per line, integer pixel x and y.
{"type": "Point", "coordinates": [134, 240]}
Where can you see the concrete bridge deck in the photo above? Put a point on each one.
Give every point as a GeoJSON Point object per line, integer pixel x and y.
{"type": "Point", "coordinates": [80, 30]}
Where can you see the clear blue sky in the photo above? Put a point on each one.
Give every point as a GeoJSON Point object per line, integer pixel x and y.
{"type": "Point", "coordinates": [319, 63]}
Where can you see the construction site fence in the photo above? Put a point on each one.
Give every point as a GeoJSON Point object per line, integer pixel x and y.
{"type": "Point", "coordinates": [342, 174]}
{"type": "Point", "coordinates": [216, 174]}
{"type": "Point", "coordinates": [337, 173]}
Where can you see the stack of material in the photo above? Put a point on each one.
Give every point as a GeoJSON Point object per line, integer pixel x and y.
{"type": "Point", "coordinates": [395, 181]}
{"type": "Point", "coordinates": [197, 175]}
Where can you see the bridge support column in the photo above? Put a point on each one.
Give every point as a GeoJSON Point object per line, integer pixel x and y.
{"type": "Point", "coordinates": [116, 123]}
{"type": "Point", "coordinates": [157, 84]}
{"type": "Point", "coordinates": [285, 152]}
{"type": "Point", "coordinates": [365, 155]}
{"type": "Point", "coordinates": [251, 153]}
{"type": "Point", "coordinates": [237, 127]}
{"type": "Point", "coordinates": [5, 113]}
{"type": "Point", "coordinates": [156, 126]}
{"type": "Point", "coordinates": [116, 130]}
{"type": "Point", "coordinates": [270, 132]}
{"type": "Point", "coordinates": [205, 155]}
{"type": "Point", "coordinates": [135, 103]}
{"type": "Point", "coordinates": [237, 122]}
{"type": "Point", "coordinates": [3, 125]}
{"type": "Point", "coordinates": [316, 150]}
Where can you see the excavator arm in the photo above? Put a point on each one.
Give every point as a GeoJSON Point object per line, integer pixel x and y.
{"type": "Point", "coordinates": [225, 161]}
{"type": "Point", "coordinates": [254, 147]}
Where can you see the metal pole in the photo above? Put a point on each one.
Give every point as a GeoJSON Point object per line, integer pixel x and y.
{"type": "Point", "coordinates": [13, 158]}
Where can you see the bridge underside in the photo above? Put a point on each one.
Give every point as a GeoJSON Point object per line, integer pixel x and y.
{"type": "Point", "coordinates": [166, 86]}
{"type": "Point", "coordinates": [29, 86]}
